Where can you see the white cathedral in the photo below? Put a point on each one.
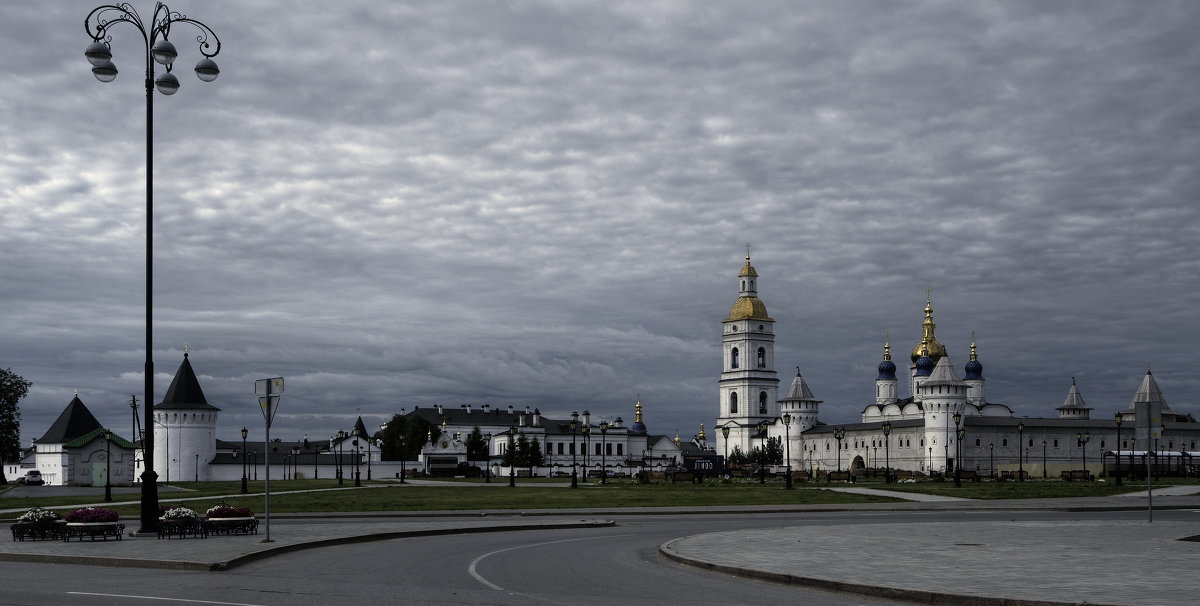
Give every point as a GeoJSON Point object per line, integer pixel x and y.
{"type": "Point", "coordinates": [918, 433]}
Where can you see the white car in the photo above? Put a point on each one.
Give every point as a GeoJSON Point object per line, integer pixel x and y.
{"type": "Point", "coordinates": [31, 478]}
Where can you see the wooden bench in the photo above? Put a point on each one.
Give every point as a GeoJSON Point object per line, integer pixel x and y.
{"type": "Point", "coordinates": [967, 475]}
{"type": "Point", "coordinates": [92, 530]}
{"type": "Point", "coordinates": [839, 476]}
{"type": "Point", "coordinates": [1072, 475]}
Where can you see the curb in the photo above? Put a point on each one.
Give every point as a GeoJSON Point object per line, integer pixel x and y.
{"type": "Point", "coordinates": [916, 595]}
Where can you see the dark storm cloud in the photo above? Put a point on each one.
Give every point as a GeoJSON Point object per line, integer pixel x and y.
{"type": "Point", "coordinates": [545, 203]}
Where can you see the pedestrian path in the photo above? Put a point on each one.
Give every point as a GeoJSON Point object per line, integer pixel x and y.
{"type": "Point", "coordinates": [1167, 491]}
{"type": "Point", "coordinates": [897, 494]}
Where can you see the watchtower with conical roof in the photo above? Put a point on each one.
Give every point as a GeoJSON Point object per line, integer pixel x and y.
{"type": "Point", "coordinates": [749, 387]}
{"type": "Point", "coordinates": [185, 427]}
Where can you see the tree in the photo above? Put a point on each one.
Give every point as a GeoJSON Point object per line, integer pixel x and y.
{"type": "Point", "coordinates": [737, 457]}
{"type": "Point", "coordinates": [415, 431]}
{"type": "Point", "coordinates": [476, 447]}
{"type": "Point", "coordinates": [537, 458]}
{"type": "Point", "coordinates": [13, 388]}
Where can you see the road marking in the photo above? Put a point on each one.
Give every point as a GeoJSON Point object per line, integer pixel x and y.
{"type": "Point", "coordinates": [150, 597]}
{"type": "Point", "coordinates": [471, 568]}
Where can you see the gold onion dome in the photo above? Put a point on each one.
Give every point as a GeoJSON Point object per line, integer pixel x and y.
{"type": "Point", "coordinates": [748, 308]}
{"type": "Point", "coordinates": [929, 345]}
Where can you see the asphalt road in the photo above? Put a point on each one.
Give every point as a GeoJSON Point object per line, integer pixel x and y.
{"type": "Point", "coordinates": [618, 565]}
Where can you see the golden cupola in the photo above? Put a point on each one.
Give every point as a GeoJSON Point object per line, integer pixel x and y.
{"type": "Point", "coordinates": [748, 306]}
{"type": "Point", "coordinates": [929, 345]}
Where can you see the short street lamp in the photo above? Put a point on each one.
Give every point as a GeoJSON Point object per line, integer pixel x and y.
{"type": "Point", "coordinates": [157, 49]}
{"type": "Point", "coordinates": [787, 444]}
{"type": "Point", "coordinates": [725, 439]}
{"type": "Point", "coordinates": [574, 429]}
{"type": "Point", "coordinates": [1044, 474]}
{"type": "Point", "coordinates": [1118, 420]}
{"type": "Point", "coordinates": [341, 437]}
{"type": "Point", "coordinates": [1020, 452]}
{"type": "Point", "coordinates": [402, 474]}
{"type": "Point", "coordinates": [586, 430]}
{"type": "Point", "coordinates": [1083, 440]}
{"type": "Point", "coordinates": [762, 458]}
{"type": "Point", "coordinates": [958, 436]}
{"type": "Point", "coordinates": [107, 465]}
{"type": "Point", "coordinates": [603, 447]}
{"type": "Point", "coordinates": [887, 452]}
{"type": "Point", "coordinates": [839, 434]}
{"type": "Point", "coordinates": [357, 456]}
{"type": "Point", "coordinates": [245, 461]}
{"type": "Point", "coordinates": [512, 457]}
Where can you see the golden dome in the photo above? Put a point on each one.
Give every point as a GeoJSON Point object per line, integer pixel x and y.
{"type": "Point", "coordinates": [929, 345]}
{"type": "Point", "coordinates": [748, 270]}
{"type": "Point", "coordinates": [748, 308]}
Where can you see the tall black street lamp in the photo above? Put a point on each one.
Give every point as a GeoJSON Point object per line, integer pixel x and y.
{"type": "Point", "coordinates": [586, 430]}
{"type": "Point", "coordinates": [1083, 438]}
{"type": "Point", "coordinates": [887, 452]}
{"type": "Point", "coordinates": [357, 455]}
{"type": "Point", "coordinates": [762, 453]}
{"type": "Point", "coordinates": [603, 453]}
{"type": "Point", "coordinates": [254, 464]}
{"type": "Point", "coordinates": [107, 465]}
{"type": "Point", "coordinates": [341, 437]}
{"type": "Point", "coordinates": [512, 457]}
{"type": "Point", "coordinates": [402, 457]}
{"type": "Point", "coordinates": [1118, 420]}
{"type": "Point", "coordinates": [245, 460]}
{"type": "Point", "coordinates": [787, 445]}
{"type": "Point", "coordinates": [574, 428]}
{"type": "Point", "coordinates": [158, 49]}
{"type": "Point", "coordinates": [1020, 452]}
{"type": "Point", "coordinates": [958, 436]}
{"type": "Point", "coordinates": [725, 439]}
{"type": "Point", "coordinates": [839, 434]}
{"type": "Point", "coordinates": [992, 460]}
{"type": "Point", "coordinates": [368, 439]}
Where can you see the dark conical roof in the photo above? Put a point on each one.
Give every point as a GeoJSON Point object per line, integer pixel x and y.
{"type": "Point", "coordinates": [360, 428]}
{"type": "Point", "coordinates": [75, 421]}
{"type": "Point", "coordinates": [184, 392]}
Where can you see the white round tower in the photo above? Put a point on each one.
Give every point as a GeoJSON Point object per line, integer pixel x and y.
{"type": "Point", "coordinates": [185, 428]}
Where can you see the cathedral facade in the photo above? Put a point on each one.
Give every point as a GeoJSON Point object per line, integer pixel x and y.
{"type": "Point", "coordinates": [944, 421]}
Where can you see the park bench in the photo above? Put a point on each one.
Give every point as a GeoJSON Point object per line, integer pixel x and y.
{"type": "Point", "coordinates": [683, 476]}
{"type": "Point", "coordinates": [1072, 475]}
{"type": "Point", "coordinates": [43, 531]}
{"type": "Point", "coordinates": [92, 530]}
{"type": "Point", "coordinates": [231, 526]}
{"type": "Point", "coordinates": [968, 475]}
{"type": "Point", "coordinates": [839, 476]}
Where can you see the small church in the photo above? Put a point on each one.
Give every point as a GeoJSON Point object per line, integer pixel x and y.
{"type": "Point", "coordinates": [78, 451]}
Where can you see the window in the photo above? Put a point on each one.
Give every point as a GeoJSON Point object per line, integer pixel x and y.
{"type": "Point", "coordinates": [733, 358]}
{"type": "Point", "coordinates": [598, 449]}
{"type": "Point", "coordinates": [762, 402]}
{"type": "Point", "coordinates": [560, 448]}
{"type": "Point", "coordinates": [762, 357]}
{"type": "Point", "coordinates": [1101, 443]}
{"type": "Point", "coordinates": [572, 449]}
{"type": "Point", "coordinates": [1056, 443]}
{"type": "Point", "coordinates": [620, 449]}
{"type": "Point", "coordinates": [977, 441]}
{"type": "Point", "coordinates": [608, 449]}
{"type": "Point", "coordinates": [1005, 442]}
{"type": "Point", "coordinates": [733, 403]}
{"type": "Point", "coordinates": [1031, 441]}
{"type": "Point", "coordinates": [549, 448]}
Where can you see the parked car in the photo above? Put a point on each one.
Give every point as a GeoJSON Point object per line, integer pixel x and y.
{"type": "Point", "coordinates": [31, 478]}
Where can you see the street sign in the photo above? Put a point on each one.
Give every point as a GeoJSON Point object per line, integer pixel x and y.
{"type": "Point", "coordinates": [268, 404]}
{"type": "Point", "coordinates": [264, 387]}
{"type": "Point", "coordinates": [705, 464]}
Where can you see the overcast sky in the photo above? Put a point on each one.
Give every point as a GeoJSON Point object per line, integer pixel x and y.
{"type": "Point", "coordinates": [546, 204]}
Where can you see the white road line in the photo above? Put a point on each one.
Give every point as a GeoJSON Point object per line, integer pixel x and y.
{"type": "Point", "coordinates": [150, 597]}
{"type": "Point", "coordinates": [471, 568]}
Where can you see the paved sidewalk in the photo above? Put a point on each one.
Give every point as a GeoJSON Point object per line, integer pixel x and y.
{"type": "Point", "coordinates": [224, 552]}
{"type": "Point", "coordinates": [1010, 563]}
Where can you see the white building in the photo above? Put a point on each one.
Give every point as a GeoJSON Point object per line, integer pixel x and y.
{"type": "Point", "coordinates": [918, 432]}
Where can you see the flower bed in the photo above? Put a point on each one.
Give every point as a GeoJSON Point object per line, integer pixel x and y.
{"type": "Point", "coordinates": [38, 524]}
{"type": "Point", "coordinates": [181, 522]}
{"type": "Point", "coordinates": [93, 522]}
{"type": "Point", "coordinates": [226, 519]}
{"type": "Point", "coordinates": [92, 515]}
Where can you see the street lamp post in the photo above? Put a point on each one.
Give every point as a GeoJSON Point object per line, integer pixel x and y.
{"type": "Point", "coordinates": [787, 445]}
{"type": "Point", "coordinates": [725, 440]}
{"type": "Point", "coordinates": [512, 457]}
{"type": "Point", "coordinates": [958, 436]}
{"type": "Point", "coordinates": [107, 465]}
{"type": "Point", "coordinates": [357, 454]}
{"type": "Point", "coordinates": [341, 437]}
{"type": "Point", "coordinates": [762, 453]}
{"type": "Point", "coordinates": [586, 430]}
{"type": "Point", "coordinates": [487, 458]}
{"type": "Point", "coordinates": [254, 464]}
{"type": "Point", "coordinates": [574, 428]}
{"type": "Point", "coordinates": [1084, 438]}
{"type": "Point", "coordinates": [839, 434]}
{"type": "Point", "coordinates": [992, 460]}
{"type": "Point", "coordinates": [887, 452]}
{"type": "Point", "coordinates": [603, 453]}
{"type": "Point", "coordinates": [368, 459]}
{"type": "Point", "coordinates": [1020, 452]}
{"type": "Point", "coordinates": [157, 50]}
{"type": "Point", "coordinates": [402, 474]}
{"type": "Point", "coordinates": [245, 461]}
{"type": "Point", "coordinates": [1118, 420]}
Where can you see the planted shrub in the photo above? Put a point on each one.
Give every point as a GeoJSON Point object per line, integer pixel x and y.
{"type": "Point", "coordinates": [228, 511]}
{"type": "Point", "coordinates": [38, 514]}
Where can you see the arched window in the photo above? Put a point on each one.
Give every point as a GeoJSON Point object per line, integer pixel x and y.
{"type": "Point", "coordinates": [762, 402]}
{"type": "Point", "coordinates": [733, 403]}
{"type": "Point", "coordinates": [762, 357]}
{"type": "Point", "coordinates": [733, 358]}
